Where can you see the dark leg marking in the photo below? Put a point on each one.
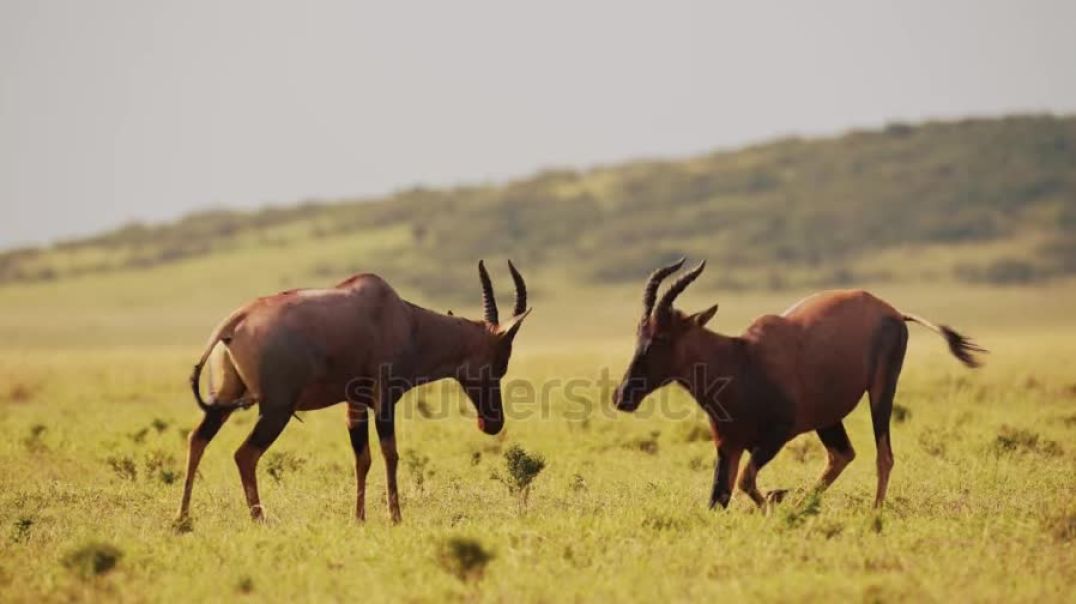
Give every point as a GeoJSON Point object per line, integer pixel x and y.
{"type": "Point", "coordinates": [728, 465]}
{"type": "Point", "coordinates": [761, 454]}
{"type": "Point", "coordinates": [211, 423]}
{"type": "Point", "coordinates": [840, 452]}
{"type": "Point", "coordinates": [358, 429]}
{"type": "Point", "coordinates": [892, 342]}
{"type": "Point", "coordinates": [384, 421]}
{"type": "Point", "coordinates": [270, 424]}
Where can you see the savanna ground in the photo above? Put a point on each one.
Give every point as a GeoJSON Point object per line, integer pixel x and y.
{"type": "Point", "coordinates": [94, 409]}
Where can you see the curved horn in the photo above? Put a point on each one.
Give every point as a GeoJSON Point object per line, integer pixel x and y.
{"type": "Point", "coordinates": [489, 303]}
{"type": "Point", "coordinates": [521, 290]}
{"type": "Point", "coordinates": [650, 292]}
{"type": "Point", "coordinates": [665, 305]}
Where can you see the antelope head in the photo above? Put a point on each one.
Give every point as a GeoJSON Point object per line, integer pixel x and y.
{"type": "Point", "coordinates": [486, 363]}
{"type": "Point", "coordinates": [661, 330]}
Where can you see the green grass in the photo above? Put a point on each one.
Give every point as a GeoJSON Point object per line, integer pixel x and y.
{"type": "Point", "coordinates": [97, 338]}
{"type": "Point", "coordinates": [92, 442]}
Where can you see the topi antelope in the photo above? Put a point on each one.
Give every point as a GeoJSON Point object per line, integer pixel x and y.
{"type": "Point", "coordinates": [803, 370]}
{"type": "Point", "coordinates": [360, 342]}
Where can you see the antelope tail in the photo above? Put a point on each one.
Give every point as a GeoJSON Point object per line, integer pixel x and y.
{"type": "Point", "coordinates": [222, 332]}
{"type": "Point", "coordinates": [961, 346]}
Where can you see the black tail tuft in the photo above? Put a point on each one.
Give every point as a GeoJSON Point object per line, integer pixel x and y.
{"type": "Point", "coordinates": [963, 348]}
{"type": "Point", "coordinates": [195, 375]}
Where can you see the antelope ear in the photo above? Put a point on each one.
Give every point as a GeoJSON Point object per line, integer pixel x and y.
{"type": "Point", "coordinates": [702, 318]}
{"type": "Point", "coordinates": [508, 329]}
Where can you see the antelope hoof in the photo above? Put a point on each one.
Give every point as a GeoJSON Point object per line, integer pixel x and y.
{"type": "Point", "coordinates": [257, 514]}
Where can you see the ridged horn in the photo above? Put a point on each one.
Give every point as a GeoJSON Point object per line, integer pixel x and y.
{"type": "Point", "coordinates": [664, 308]}
{"type": "Point", "coordinates": [521, 290]}
{"type": "Point", "coordinates": [489, 303]}
{"type": "Point", "coordinates": [650, 292]}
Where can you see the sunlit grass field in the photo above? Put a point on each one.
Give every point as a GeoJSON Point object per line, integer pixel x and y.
{"type": "Point", "coordinates": [94, 410]}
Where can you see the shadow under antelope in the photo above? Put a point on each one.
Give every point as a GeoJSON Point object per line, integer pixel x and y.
{"type": "Point", "coordinates": [357, 342]}
{"type": "Point", "coordinates": [801, 371]}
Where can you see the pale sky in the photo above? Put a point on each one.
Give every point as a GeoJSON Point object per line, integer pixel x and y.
{"type": "Point", "coordinates": [116, 111]}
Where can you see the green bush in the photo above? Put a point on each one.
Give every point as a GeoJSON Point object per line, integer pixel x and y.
{"type": "Point", "coordinates": [522, 468]}
{"type": "Point", "coordinates": [92, 559]}
{"type": "Point", "coordinates": [464, 558]}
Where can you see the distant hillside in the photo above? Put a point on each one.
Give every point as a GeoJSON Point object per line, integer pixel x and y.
{"type": "Point", "coordinates": [975, 200]}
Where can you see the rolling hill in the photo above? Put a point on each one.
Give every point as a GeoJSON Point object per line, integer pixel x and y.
{"type": "Point", "coordinates": [978, 200]}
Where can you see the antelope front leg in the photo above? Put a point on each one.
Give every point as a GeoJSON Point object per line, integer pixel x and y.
{"type": "Point", "coordinates": [728, 464]}
{"type": "Point", "coordinates": [386, 434]}
{"type": "Point", "coordinates": [761, 455]}
{"type": "Point", "coordinates": [358, 427]}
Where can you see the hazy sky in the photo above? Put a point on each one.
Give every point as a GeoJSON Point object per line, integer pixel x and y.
{"type": "Point", "coordinates": [116, 111]}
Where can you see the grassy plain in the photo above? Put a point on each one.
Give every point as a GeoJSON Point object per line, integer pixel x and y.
{"type": "Point", "coordinates": [94, 408]}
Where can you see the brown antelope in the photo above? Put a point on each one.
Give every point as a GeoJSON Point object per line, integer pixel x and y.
{"type": "Point", "coordinates": [360, 342]}
{"type": "Point", "coordinates": [803, 370]}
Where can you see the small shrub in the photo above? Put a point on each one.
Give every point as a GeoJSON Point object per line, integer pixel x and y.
{"type": "Point", "coordinates": [93, 559]}
{"type": "Point", "coordinates": [35, 441]}
{"type": "Point", "coordinates": [810, 506]}
{"type": "Point", "coordinates": [901, 413]}
{"type": "Point", "coordinates": [20, 529]}
{"type": "Point", "coordinates": [877, 524]}
{"type": "Point", "coordinates": [417, 465]}
{"type": "Point", "coordinates": [647, 444]}
{"type": "Point", "coordinates": [139, 437]}
{"type": "Point", "coordinates": [578, 484]}
{"type": "Point", "coordinates": [280, 463]}
{"type": "Point", "coordinates": [464, 558]}
{"type": "Point", "coordinates": [522, 468]}
{"type": "Point", "coordinates": [20, 393]}
{"type": "Point", "coordinates": [245, 585]}
{"type": "Point", "coordinates": [1018, 440]}
{"type": "Point", "coordinates": [162, 466]}
{"type": "Point", "coordinates": [933, 441]}
{"type": "Point", "coordinates": [698, 463]}
{"type": "Point", "coordinates": [696, 432]}
{"type": "Point", "coordinates": [123, 466]}
{"type": "Point", "coordinates": [159, 425]}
